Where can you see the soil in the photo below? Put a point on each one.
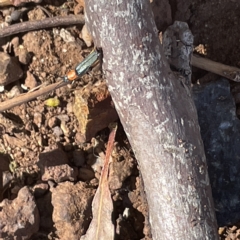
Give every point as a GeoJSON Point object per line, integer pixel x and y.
{"type": "Point", "coordinates": [32, 129]}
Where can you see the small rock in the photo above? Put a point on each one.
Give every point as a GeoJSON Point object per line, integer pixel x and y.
{"type": "Point", "coordinates": [40, 189]}
{"type": "Point", "coordinates": [20, 217]}
{"type": "Point", "coordinates": [15, 42]}
{"type": "Point", "coordinates": [13, 141]}
{"type": "Point", "coordinates": [118, 173]}
{"type": "Point", "coordinates": [96, 163]}
{"type": "Point", "coordinates": [53, 122]}
{"type": "Point", "coordinates": [64, 128]}
{"type": "Point", "coordinates": [6, 11]}
{"type": "Point", "coordinates": [37, 118]}
{"type": "Point", "coordinates": [23, 55]}
{"type": "Point", "coordinates": [43, 74]}
{"type": "Point", "coordinates": [63, 117]}
{"type": "Point", "coordinates": [60, 173]}
{"type": "Point", "coordinates": [221, 230]}
{"type": "Point", "coordinates": [4, 24]}
{"type": "Point", "coordinates": [2, 88]}
{"type": "Point", "coordinates": [8, 19]}
{"type": "Point", "coordinates": [71, 209]}
{"type": "Point", "coordinates": [39, 139]}
{"type": "Point", "coordinates": [52, 158]}
{"type": "Point", "coordinates": [66, 36]}
{"type": "Point", "coordinates": [30, 81]}
{"type": "Point", "coordinates": [86, 174]}
{"type": "Point", "coordinates": [57, 131]}
{"type": "Point", "coordinates": [18, 155]}
{"type": "Point", "coordinates": [80, 138]}
{"type": "Point", "coordinates": [10, 70]}
{"type": "Point", "coordinates": [69, 107]}
{"type": "Point", "coordinates": [17, 15]}
{"type": "Point", "coordinates": [15, 190]}
{"type": "Point", "coordinates": [54, 166]}
{"type": "Point", "coordinates": [78, 158]}
{"type": "Point", "coordinates": [15, 91]}
{"type": "Point", "coordinates": [94, 182]}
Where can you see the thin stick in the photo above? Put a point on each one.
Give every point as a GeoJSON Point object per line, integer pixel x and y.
{"type": "Point", "coordinates": [26, 97]}
{"type": "Point", "coordinates": [16, 3]}
{"type": "Point", "coordinates": [40, 24]}
{"type": "Point", "coordinates": [232, 73]}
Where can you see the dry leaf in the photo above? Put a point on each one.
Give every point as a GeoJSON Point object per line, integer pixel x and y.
{"type": "Point", "coordinates": [86, 36]}
{"type": "Point", "coordinates": [101, 227]}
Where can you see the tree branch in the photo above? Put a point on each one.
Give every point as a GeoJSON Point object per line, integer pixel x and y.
{"type": "Point", "coordinates": [159, 118]}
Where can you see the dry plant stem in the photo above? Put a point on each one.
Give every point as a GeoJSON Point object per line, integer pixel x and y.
{"type": "Point", "coordinates": [41, 24]}
{"type": "Point", "coordinates": [16, 3]}
{"type": "Point", "coordinates": [232, 73]}
{"type": "Point", "coordinates": [110, 145]}
{"type": "Point", "coordinates": [29, 96]}
{"type": "Point", "coordinates": [4, 3]}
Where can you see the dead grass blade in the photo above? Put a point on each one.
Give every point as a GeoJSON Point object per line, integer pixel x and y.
{"type": "Point", "coordinates": [101, 226]}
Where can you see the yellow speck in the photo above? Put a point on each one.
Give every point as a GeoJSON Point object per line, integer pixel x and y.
{"type": "Point", "coordinates": [52, 102]}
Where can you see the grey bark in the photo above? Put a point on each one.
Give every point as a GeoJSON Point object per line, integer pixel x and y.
{"type": "Point", "coordinates": [159, 118]}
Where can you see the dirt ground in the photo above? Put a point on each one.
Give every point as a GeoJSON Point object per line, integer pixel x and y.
{"type": "Point", "coordinates": [31, 131]}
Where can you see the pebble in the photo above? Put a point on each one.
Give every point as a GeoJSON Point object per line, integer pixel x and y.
{"type": "Point", "coordinates": [10, 70]}
{"type": "Point", "coordinates": [8, 19]}
{"type": "Point", "coordinates": [15, 42]}
{"type": "Point", "coordinates": [2, 88]}
{"type": "Point", "coordinates": [78, 158]}
{"type": "Point", "coordinates": [64, 128]}
{"type": "Point", "coordinates": [63, 117]}
{"type": "Point", "coordinates": [53, 122]}
{"type": "Point", "coordinates": [15, 91]}
{"type": "Point", "coordinates": [20, 217]}
{"type": "Point", "coordinates": [66, 36]}
{"type": "Point", "coordinates": [23, 55]}
{"type": "Point", "coordinates": [85, 174]}
{"type": "Point", "coordinates": [57, 131]}
{"type": "Point", "coordinates": [37, 118]}
{"type": "Point", "coordinates": [40, 189]}
{"type": "Point", "coordinates": [30, 81]}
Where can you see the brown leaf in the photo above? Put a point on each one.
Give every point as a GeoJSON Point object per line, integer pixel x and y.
{"type": "Point", "coordinates": [101, 226]}
{"type": "Point", "coordinates": [86, 36]}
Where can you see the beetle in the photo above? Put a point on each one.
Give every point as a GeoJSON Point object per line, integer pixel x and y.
{"type": "Point", "coordinates": [83, 67]}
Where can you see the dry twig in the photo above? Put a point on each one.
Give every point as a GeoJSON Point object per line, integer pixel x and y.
{"type": "Point", "coordinates": [232, 73]}
{"type": "Point", "coordinates": [41, 24]}
{"type": "Point", "coordinates": [29, 96]}
{"type": "Point", "coordinates": [4, 3]}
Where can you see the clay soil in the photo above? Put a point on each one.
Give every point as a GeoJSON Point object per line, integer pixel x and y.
{"type": "Point", "coordinates": [33, 128]}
